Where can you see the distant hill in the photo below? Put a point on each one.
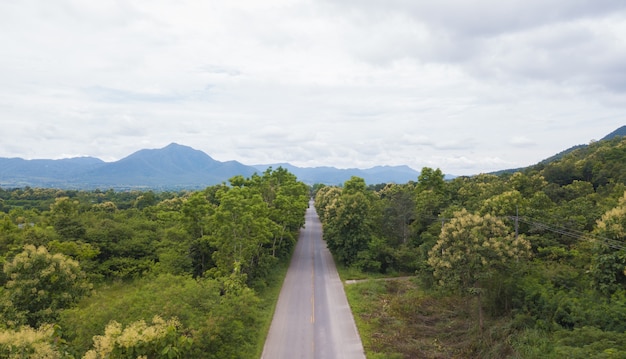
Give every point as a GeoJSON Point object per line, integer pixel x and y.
{"type": "Point", "coordinates": [336, 176]}
{"type": "Point", "coordinates": [172, 167]}
{"type": "Point", "coordinates": [17, 172]}
{"type": "Point", "coordinates": [601, 163]}
{"type": "Point", "coordinates": [620, 132]}
{"type": "Point", "coordinates": [617, 133]}
{"type": "Point", "coordinates": [181, 167]}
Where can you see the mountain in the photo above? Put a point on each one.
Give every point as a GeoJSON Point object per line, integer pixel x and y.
{"type": "Point", "coordinates": [601, 163]}
{"type": "Point", "coordinates": [181, 167]}
{"type": "Point", "coordinates": [619, 132]}
{"type": "Point", "coordinates": [19, 172]}
{"type": "Point", "coordinates": [335, 176]}
{"type": "Point", "coordinates": [174, 166]}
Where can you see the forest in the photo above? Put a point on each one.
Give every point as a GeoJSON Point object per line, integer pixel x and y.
{"type": "Point", "coordinates": [141, 274]}
{"type": "Point", "coordinates": [520, 264]}
{"type": "Point", "coordinates": [529, 264]}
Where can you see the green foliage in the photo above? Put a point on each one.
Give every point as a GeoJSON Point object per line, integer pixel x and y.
{"type": "Point", "coordinates": [472, 248]}
{"type": "Point", "coordinates": [397, 212]}
{"type": "Point", "coordinates": [234, 233]}
{"type": "Point", "coordinates": [39, 285]}
{"type": "Point", "coordinates": [216, 322]}
{"type": "Point", "coordinates": [348, 232]}
{"type": "Point", "coordinates": [580, 343]}
{"type": "Point", "coordinates": [570, 219]}
{"type": "Point", "coordinates": [241, 229]}
{"type": "Point", "coordinates": [599, 163]}
{"type": "Point", "coordinates": [609, 263]}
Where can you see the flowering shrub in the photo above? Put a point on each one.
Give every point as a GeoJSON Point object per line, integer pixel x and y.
{"type": "Point", "coordinates": [39, 285]}
{"type": "Point", "coordinates": [29, 343]}
{"type": "Point", "coordinates": [161, 339]}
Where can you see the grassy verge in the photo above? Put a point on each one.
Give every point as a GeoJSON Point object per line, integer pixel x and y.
{"type": "Point", "coordinates": [397, 319]}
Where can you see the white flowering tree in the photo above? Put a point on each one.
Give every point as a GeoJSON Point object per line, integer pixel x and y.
{"type": "Point", "coordinates": [39, 284]}
{"type": "Point", "coordinates": [159, 339]}
{"type": "Point", "coordinates": [30, 343]}
{"type": "Point", "coordinates": [471, 249]}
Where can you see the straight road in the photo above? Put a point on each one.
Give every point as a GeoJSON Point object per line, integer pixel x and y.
{"type": "Point", "coordinates": [312, 317]}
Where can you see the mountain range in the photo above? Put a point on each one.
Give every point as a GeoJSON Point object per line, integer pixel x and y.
{"type": "Point", "coordinates": [181, 167]}
{"type": "Point", "coordinates": [172, 167]}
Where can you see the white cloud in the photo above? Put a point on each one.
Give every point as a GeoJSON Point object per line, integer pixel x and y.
{"type": "Point", "coordinates": [522, 141]}
{"type": "Point", "coordinates": [465, 87]}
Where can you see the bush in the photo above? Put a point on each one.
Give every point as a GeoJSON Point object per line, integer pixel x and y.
{"type": "Point", "coordinates": [40, 285]}
{"type": "Point", "coordinates": [221, 326]}
{"type": "Point", "coordinates": [30, 343]}
{"type": "Point", "coordinates": [161, 339]}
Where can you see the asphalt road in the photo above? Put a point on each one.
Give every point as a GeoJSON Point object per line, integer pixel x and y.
{"type": "Point", "coordinates": [312, 317]}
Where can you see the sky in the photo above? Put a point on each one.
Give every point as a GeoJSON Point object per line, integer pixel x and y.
{"type": "Point", "coordinates": [465, 86]}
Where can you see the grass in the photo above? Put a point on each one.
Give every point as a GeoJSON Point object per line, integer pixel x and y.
{"type": "Point", "coordinates": [168, 296]}
{"type": "Point", "coordinates": [397, 319]}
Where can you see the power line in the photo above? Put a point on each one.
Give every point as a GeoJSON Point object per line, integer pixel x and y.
{"type": "Point", "coordinates": [571, 232]}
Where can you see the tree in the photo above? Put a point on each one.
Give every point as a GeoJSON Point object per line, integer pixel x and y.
{"type": "Point", "coordinates": [65, 214]}
{"type": "Point", "coordinates": [348, 230]}
{"type": "Point", "coordinates": [430, 179]}
{"type": "Point", "coordinates": [398, 212]}
{"type": "Point", "coordinates": [504, 204]}
{"type": "Point", "coordinates": [609, 263]}
{"type": "Point", "coordinates": [326, 202]}
{"type": "Point", "coordinates": [471, 249]}
{"type": "Point", "coordinates": [40, 284]}
{"type": "Point", "coordinates": [240, 230]}
{"type": "Point", "coordinates": [527, 184]}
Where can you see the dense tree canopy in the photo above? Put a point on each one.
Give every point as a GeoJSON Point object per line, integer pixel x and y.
{"type": "Point", "coordinates": [195, 259]}
{"type": "Point", "coordinates": [543, 245]}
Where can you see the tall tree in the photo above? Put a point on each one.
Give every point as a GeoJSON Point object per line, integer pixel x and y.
{"type": "Point", "coordinates": [240, 230]}
{"type": "Point", "coordinates": [349, 230]}
{"type": "Point", "coordinates": [609, 256]}
{"type": "Point", "coordinates": [471, 249]}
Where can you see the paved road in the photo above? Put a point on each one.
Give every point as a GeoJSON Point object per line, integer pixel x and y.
{"type": "Point", "coordinates": [312, 317]}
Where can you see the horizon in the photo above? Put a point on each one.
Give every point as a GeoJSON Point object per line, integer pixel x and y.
{"type": "Point", "coordinates": [287, 163]}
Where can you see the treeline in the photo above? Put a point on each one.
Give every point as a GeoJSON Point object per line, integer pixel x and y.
{"type": "Point", "coordinates": [543, 248]}
{"type": "Point", "coordinates": [143, 274]}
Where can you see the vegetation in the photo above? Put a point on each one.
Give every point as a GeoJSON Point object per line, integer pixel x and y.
{"type": "Point", "coordinates": [530, 264]}
{"type": "Point", "coordinates": [144, 274]}
{"type": "Point", "coordinates": [542, 253]}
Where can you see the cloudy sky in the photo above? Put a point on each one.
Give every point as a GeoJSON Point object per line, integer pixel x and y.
{"type": "Point", "coordinates": [465, 86]}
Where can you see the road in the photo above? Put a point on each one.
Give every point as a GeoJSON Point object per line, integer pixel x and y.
{"type": "Point", "coordinates": [312, 317]}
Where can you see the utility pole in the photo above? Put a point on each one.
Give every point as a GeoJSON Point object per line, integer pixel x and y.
{"type": "Point", "coordinates": [516, 221]}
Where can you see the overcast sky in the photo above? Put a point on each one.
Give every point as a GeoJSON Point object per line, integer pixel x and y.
{"type": "Point", "coordinates": [464, 86]}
